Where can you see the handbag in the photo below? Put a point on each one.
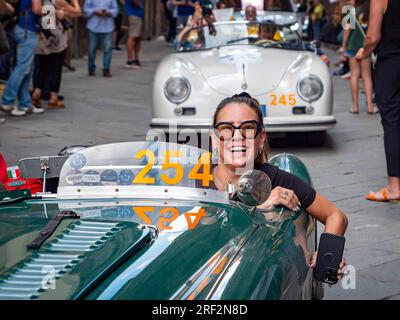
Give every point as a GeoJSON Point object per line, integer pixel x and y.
{"type": "Point", "coordinates": [4, 44]}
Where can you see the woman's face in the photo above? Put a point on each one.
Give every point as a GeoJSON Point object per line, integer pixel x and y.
{"type": "Point", "coordinates": [238, 151]}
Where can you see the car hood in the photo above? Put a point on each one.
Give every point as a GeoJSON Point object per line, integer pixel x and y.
{"type": "Point", "coordinates": [232, 69]}
{"type": "Point", "coordinates": [78, 256]}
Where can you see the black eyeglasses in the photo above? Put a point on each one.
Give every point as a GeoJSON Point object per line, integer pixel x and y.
{"type": "Point", "coordinates": [248, 129]}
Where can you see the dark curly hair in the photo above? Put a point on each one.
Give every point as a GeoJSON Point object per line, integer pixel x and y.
{"type": "Point", "coordinates": [254, 105]}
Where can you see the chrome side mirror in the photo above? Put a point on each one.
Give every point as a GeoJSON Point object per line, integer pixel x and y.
{"type": "Point", "coordinates": [254, 187]}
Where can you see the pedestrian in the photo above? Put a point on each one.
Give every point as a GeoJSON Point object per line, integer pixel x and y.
{"type": "Point", "coordinates": [317, 17]}
{"type": "Point", "coordinates": [310, 34]}
{"type": "Point", "coordinates": [100, 25]}
{"type": "Point", "coordinates": [169, 15]}
{"type": "Point", "coordinates": [353, 40]}
{"type": "Point", "coordinates": [50, 56]}
{"type": "Point", "coordinates": [17, 87]}
{"type": "Point", "coordinates": [134, 9]}
{"type": "Point", "coordinates": [384, 36]}
{"type": "Point", "coordinates": [185, 8]}
{"type": "Point", "coordinates": [250, 13]}
{"type": "Point", "coordinates": [6, 10]}
{"type": "Point", "coordinates": [118, 32]}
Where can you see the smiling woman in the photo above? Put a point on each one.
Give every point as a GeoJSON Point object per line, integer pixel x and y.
{"type": "Point", "coordinates": [239, 139]}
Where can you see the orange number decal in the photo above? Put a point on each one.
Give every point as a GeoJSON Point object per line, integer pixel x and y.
{"type": "Point", "coordinates": [274, 100]}
{"type": "Point", "coordinates": [141, 176]}
{"type": "Point", "coordinates": [205, 176]}
{"type": "Point", "coordinates": [178, 168]}
{"type": "Point", "coordinates": [282, 100]}
{"type": "Point", "coordinates": [292, 100]}
{"type": "Point", "coordinates": [197, 217]}
{"type": "Point", "coordinates": [141, 212]}
{"type": "Point", "coordinates": [162, 220]}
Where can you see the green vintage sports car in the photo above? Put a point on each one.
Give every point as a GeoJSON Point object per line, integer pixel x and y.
{"type": "Point", "coordinates": [137, 220]}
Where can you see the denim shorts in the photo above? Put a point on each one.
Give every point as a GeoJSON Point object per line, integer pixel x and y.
{"type": "Point", "coordinates": [351, 53]}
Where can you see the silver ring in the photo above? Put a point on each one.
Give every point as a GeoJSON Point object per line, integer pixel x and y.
{"type": "Point", "coordinates": [287, 193]}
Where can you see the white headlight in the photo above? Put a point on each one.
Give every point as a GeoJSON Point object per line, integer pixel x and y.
{"type": "Point", "coordinates": [177, 89]}
{"type": "Point", "coordinates": [310, 88]}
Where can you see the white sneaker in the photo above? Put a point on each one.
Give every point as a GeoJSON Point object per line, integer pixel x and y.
{"type": "Point", "coordinates": [7, 108]}
{"type": "Point", "coordinates": [2, 120]}
{"type": "Point", "coordinates": [34, 110]}
{"type": "Point", "coordinates": [15, 112]}
{"type": "Point", "coordinates": [346, 76]}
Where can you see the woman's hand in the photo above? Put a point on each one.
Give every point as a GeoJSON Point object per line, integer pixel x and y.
{"type": "Point", "coordinates": [360, 54]}
{"type": "Point", "coordinates": [60, 14]}
{"type": "Point", "coordinates": [284, 197]}
{"type": "Point", "coordinates": [340, 271]}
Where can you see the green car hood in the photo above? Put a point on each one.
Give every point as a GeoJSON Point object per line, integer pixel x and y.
{"type": "Point", "coordinates": [76, 258]}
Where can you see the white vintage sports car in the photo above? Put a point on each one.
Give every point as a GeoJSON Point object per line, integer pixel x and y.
{"type": "Point", "coordinates": [271, 62]}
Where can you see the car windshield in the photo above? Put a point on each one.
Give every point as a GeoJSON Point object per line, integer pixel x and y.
{"type": "Point", "coordinates": [266, 35]}
{"type": "Point", "coordinates": [139, 170]}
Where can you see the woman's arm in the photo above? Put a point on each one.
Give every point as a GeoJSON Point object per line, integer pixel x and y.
{"type": "Point", "coordinates": [6, 8]}
{"type": "Point", "coordinates": [374, 33]}
{"type": "Point", "coordinates": [72, 10]}
{"type": "Point", "coordinates": [37, 7]}
{"type": "Point", "coordinates": [326, 212]}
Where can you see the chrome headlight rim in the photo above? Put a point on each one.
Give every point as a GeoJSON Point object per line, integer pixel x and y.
{"type": "Point", "coordinates": [185, 81]}
{"type": "Point", "coordinates": [318, 80]}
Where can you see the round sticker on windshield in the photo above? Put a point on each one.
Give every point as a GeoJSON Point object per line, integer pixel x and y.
{"type": "Point", "coordinates": [74, 177]}
{"type": "Point", "coordinates": [126, 177]}
{"type": "Point", "coordinates": [91, 178]}
{"type": "Point", "coordinates": [109, 177]}
{"type": "Point", "coordinates": [77, 161]}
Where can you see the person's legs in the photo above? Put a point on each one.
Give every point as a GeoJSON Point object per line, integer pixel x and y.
{"type": "Point", "coordinates": [25, 55]}
{"type": "Point", "coordinates": [39, 75]}
{"type": "Point", "coordinates": [93, 42]}
{"type": "Point", "coordinates": [355, 70]}
{"type": "Point", "coordinates": [367, 78]}
{"type": "Point", "coordinates": [107, 47]}
{"type": "Point", "coordinates": [387, 90]}
{"type": "Point", "coordinates": [138, 45]}
{"type": "Point", "coordinates": [317, 30]}
{"type": "Point", "coordinates": [118, 32]}
{"type": "Point", "coordinates": [134, 42]}
{"type": "Point", "coordinates": [130, 43]}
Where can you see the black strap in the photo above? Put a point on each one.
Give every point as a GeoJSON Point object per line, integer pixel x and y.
{"type": "Point", "coordinates": [49, 229]}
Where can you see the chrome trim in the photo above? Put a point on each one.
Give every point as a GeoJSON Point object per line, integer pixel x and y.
{"type": "Point", "coordinates": [315, 78]}
{"type": "Point", "coordinates": [142, 192]}
{"type": "Point", "coordinates": [186, 81]}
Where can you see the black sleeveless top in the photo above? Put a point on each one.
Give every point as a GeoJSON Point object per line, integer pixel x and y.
{"type": "Point", "coordinates": [389, 46]}
{"type": "Point", "coordinates": [281, 178]}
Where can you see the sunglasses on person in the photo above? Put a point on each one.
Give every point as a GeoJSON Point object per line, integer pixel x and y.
{"type": "Point", "coordinates": [248, 129]}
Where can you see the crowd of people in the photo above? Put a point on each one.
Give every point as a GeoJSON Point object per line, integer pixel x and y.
{"type": "Point", "coordinates": [31, 65]}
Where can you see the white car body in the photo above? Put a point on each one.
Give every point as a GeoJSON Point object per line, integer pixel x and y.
{"type": "Point", "coordinates": [220, 72]}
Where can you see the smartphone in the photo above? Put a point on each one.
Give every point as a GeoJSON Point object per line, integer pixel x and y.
{"type": "Point", "coordinates": [330, 253]}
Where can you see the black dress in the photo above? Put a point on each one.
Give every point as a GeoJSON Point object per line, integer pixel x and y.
{"type": "Point", "coordinates": [387, 85]}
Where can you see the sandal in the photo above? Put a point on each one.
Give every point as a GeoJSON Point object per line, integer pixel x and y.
{"type": "Point", "coordinates": [384, 193]}
{"type": "Point", "coordinates": [354, 112]}
{"type": "Point", "coordinates": [375, 110]}
{"type": "Point", "coordinates": [55, 104]}
{"type": "Point", "coordinates": [36, 100]}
